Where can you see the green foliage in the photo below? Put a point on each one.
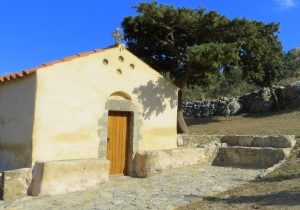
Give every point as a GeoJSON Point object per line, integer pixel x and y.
{"type": "Point", "coordinates": [286, 67]}
{"type": "Point", "coordinates": [272, 75]}
{"type": "Point", "coordinates": [193, 93]}
{"type": "Point", "coordinates": [231, 85]}
{"type": "Point", "coordinates": [291, 63]}
{"type": "Point", "coordinates": [204, 42]}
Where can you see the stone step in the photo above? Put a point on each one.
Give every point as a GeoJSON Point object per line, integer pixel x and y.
{"type": "Point", "coordinates": [283, 141]}
{"type": "Point", "coordinates": [254, 157]}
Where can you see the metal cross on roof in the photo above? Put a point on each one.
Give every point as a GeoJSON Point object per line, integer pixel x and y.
{"type": "Point", "coordinates": [118, 36]}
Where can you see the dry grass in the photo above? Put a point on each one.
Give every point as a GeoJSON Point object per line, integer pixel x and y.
{"type": "Point", "coordinates": [279, 189]}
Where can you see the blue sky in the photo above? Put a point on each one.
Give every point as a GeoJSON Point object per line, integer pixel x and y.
{"type": "Point", "coordinates": [33, 32]}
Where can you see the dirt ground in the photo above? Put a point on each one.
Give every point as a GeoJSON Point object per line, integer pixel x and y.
{"type": "Point", "coordinates": [279, 189]}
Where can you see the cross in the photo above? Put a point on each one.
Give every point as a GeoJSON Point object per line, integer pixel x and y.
{"type": "Point", "coordinates": [118, 36]}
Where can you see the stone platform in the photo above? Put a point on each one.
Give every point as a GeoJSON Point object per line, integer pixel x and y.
{"type": "Point", "coordinates": [163, 190]}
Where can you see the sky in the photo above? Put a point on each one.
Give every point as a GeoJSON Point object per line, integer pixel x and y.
{"type": "Point", "coordinates": [33, 32]}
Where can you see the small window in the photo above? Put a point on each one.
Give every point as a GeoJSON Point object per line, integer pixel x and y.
{"type": "Point", "coordinates": [131, 66]}
{"type": "Point", "coordinates": [121, 59]}
{"type": "Point", "coordinates": [119, 72]}
{"type": "Point", "coordinates": [105, 61]}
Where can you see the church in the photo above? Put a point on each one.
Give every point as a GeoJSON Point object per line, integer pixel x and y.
{"type": "Point", "coordinates": [104, 105]}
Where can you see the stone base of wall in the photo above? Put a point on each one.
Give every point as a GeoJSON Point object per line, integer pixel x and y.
{"type": "Point", "coordinates": [14, 183]}
{"type": "Point", "coordinates": [59, 177]}
{"type": "Point", "coordinates": [149, 162]}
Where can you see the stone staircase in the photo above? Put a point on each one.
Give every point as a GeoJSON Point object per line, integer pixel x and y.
{"type": "Point", "coordinates": [259, 152]}
{"type": "Point", "coordinates": [254, 151]}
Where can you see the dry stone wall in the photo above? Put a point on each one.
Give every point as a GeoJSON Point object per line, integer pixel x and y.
{"type": "Point", "coordinates": [259, 101]}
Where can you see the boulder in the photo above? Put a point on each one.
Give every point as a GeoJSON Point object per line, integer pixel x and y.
{"type": "Point", "coordinates": [262, 103]}
{"type": "Point", "coordinates": [291, 95]}
{"type": "Point", "coordinates": [232, 108]}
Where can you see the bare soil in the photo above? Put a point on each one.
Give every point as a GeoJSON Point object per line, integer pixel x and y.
{"type": "Point", "coordinates": [279, 189]}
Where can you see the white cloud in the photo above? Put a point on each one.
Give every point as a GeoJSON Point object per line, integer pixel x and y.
{"type": "Point", "coordinates": [285, 4]}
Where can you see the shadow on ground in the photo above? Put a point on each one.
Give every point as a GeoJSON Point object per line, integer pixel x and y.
{"type": "Point", "coordinates": [282, 198]}
{"type": "Point", "coordinates": [201, 121]}
{"type": "Point", "coordinates": [273, 113]}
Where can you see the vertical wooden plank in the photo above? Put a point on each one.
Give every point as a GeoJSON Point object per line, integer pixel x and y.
{"type": "Point", "coordinates": [117, 147]}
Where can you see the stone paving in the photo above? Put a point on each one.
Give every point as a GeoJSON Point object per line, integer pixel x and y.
{"type": "Point", "coordinates": [164, 190]}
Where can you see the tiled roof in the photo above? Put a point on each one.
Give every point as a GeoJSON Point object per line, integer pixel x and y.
{"type": "Point", "coordinates": [33, 70]}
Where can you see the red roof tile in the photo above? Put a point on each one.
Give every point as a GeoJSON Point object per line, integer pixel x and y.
{"type": "Point", "coordinates": [33, 70]}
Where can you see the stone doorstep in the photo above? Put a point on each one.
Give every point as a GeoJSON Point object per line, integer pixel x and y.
{"type": "Point", "coordinates": [256, 157]}
{"type": "Point", "coordinates": [54, 177]}
{"type": "Point", "coordinates": [283, 141]}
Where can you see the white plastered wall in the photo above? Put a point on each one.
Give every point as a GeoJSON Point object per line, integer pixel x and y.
{"type": "Point", "coordinates": [71, 96]}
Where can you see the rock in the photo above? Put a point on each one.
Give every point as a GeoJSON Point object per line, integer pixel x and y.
{"type": "Point", "coordinates": [117, 202]}
{"type": "Point", "coordinates": [234, 107]}
{"type": "Point", "coordinates": [263, 102]}
{"type": "Point", "coordinates": [291, 95]}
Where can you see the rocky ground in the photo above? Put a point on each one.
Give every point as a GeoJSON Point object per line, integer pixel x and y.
{"type": "Point", "coordinates": [279, 189]}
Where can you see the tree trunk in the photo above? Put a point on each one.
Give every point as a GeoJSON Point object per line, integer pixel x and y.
{"type": "Point", "coordinates": [181, 125]}
{"type": "Point", "coordinates": [277, 107]}
{"type": "Point", "coordinates": [180, 81]}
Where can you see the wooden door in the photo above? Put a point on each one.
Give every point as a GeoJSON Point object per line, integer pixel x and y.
{"type": "Point", "coordinates": [117, 143]}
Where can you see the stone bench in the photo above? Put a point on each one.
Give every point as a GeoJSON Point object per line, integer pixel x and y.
{"type": "Point", "coordinates": [53, 177]}
{"type": "Point", "coordinates": [59, 177]}
{"type": "Point", "coordinates": [149, 162]}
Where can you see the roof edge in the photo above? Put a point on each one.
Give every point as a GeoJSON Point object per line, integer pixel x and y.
{"type": "Point", "coordinates": [23, 73]}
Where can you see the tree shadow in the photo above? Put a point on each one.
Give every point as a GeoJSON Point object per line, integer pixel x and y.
{"type": "Point", "coordinates": [280, 177]}
{"type": "Point", "coordinates": [278, 198]}
{"type": "Point", "coordinates": [272, 113]}
{"type": "Point", "coordinates": [201, 121]}
{"type": "Point", "coordinates": [155, 96]}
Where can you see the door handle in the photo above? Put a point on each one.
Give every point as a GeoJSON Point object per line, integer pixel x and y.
{"type": "Point", "coordinates": [107, 139]}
